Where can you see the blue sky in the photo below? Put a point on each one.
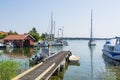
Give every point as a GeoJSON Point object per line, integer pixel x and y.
{"type": "Point", "coordinates": [73, 15]}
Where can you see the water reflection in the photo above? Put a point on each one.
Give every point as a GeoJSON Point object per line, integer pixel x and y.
{"type": "Point", "coordinates": [20, 53]}
{"type": "Point", "coordinates": [112, 68]}
{"type": "Point", "coordinates": [91, 48]}
{"type": "Point", "coordinates": [1, 51]}
{"type": "Point", "coordinates": [110, 62]}
{"type": "Point", "coordinates": [74, 64]}
{"type": "Point", "coordinates": [25, 53]}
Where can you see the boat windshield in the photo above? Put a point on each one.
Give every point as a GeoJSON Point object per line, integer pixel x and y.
{"type": "Point", "coordinates": [112, 41]}
{"type": "Point", "coordinates": [118, 41]}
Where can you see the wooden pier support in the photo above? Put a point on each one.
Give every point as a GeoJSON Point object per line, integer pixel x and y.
{"type": "Point", "coordinates": [60, 68]}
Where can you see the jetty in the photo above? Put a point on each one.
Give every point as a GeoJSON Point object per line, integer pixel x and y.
{"type": "Point", "coordinates": [45, 69]}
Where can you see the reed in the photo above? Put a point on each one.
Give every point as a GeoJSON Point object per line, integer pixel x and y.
{"type": "Point", "coordinates": [8, 69]}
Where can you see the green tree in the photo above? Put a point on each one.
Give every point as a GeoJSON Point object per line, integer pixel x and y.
{"type": "Point", "coordinates": [15, 32]}
{"type": "Point", "coordinates": [34, 33]}
{"type": "Point", "coordinates": [2, 36]}
{"type": "Point", "coordinates": [34, 30]}
{"type": "Point", "coordinates": [12, 33]}
{"type": "Point", "coordinates": [42, 36]}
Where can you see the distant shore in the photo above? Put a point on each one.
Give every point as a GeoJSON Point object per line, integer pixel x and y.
{"type": "Point", "coordinates": [83, 38]}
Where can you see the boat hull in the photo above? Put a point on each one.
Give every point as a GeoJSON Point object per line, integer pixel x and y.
{"type": "Point", "coordinates": [56, 44]}
{"type": "Point", "coordinates": [110, 62]}
{"type": "Point", "coordinates": [53, 43]}
{"type": "Point", "coordinates": [91, 43]}
{"type": "Point", "coordinates": [113, 55]}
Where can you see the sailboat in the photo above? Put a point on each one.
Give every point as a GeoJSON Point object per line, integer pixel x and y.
{"type": "Point", "coordinates": [91, 40]}
{"type": "Point", "coordinates": [53, 41]}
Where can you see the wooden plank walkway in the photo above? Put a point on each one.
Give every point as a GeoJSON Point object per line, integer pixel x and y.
{"type": "Point", "coordinates": [45, 69]}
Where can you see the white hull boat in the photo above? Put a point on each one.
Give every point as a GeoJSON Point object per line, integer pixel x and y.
{"type": "Point", "coordinates": [2, 46]}
{"type": "Point", "coordinates": [112, 50]}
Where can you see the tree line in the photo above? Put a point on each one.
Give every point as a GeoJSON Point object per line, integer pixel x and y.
{"type": "Point", "coordinates": [33, 32]}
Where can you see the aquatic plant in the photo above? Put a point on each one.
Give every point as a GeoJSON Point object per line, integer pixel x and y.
{"type": "Point", "coordinates": [107, 76]}
{"type": "Point", "coordinates": [8, 69]}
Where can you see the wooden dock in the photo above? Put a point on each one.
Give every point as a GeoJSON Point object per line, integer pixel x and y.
{"type": "Point", "coordinates": [44, 70]}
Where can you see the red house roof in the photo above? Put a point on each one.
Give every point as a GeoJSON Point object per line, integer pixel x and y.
{"type": "Point", "coordinates": [17, 37]}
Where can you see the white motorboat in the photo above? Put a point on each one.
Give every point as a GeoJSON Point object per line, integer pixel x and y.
{"type": "Point", "coordinates": [55, 43]}
{"type": "Point", "coordinates": [2, 45]}
{"type": "Point", "coordinates": [112, 50]}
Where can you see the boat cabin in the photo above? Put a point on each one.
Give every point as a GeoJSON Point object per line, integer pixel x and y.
{"type": "Point", "coordinates": [117, 40]}
{"type": "Point", "coordinates": [113, 47]}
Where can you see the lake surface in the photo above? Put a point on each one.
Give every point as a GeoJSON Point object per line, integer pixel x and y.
{"type": "Point", "coordinates": [93, 64]}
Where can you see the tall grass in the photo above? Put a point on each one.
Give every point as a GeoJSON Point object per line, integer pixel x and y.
{"type": "Point", "coordinates": [8, 69]}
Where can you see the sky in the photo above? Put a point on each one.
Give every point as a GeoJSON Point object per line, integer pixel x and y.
{"type": "Point", "coordinates": [73, 15]}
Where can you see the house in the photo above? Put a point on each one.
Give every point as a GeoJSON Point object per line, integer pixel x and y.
{"type": "Point", "coordinates": [20, 40]}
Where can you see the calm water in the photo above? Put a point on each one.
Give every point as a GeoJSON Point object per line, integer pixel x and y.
{"type": "Point", "coordinates": [93, 66]}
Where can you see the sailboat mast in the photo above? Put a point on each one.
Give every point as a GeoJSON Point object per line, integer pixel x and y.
{"type": "Point", "coordinates": [91, 33]}
{"type": "Point", "coordinates": [51, 31]}
{"type": "Point", "coordinates": [54, 28]}
{"type": "Point", "coordinates": [62, 30]}
{"type": "Point", "coordinates": [91, 40]}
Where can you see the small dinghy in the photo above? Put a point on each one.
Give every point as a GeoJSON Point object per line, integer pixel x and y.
{"type": "Point", "coordinates": [74, 58]}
